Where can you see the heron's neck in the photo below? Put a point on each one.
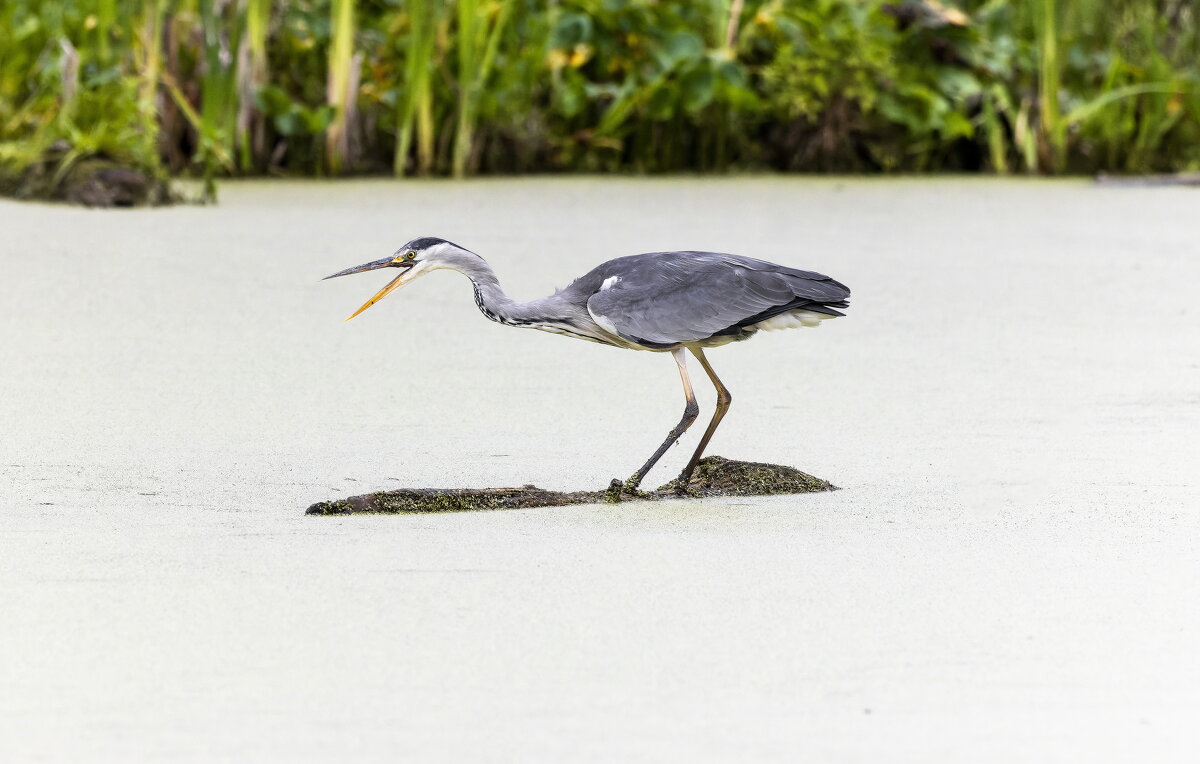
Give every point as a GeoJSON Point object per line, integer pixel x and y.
{"type": "Point", "coordinates": [492, 300]}
{"type": "Point", "coordinates": [550, 314]}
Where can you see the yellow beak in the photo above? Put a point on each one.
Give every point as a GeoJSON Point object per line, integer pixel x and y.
{"type": "Point", "coordinates": [387, 262]}
{"type": "Point", "coordinates": [392, 286]}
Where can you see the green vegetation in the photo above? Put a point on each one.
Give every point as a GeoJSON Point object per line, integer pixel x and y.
{"type": "Point", "coordinates": [229, 87]}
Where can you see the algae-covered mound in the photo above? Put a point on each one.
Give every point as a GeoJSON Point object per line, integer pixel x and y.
{"type": "Point", "coordinates": [714, 476]}
{"type": "Point", "coordinates": [418, 500]}
{"type": "Point", "coordinates": [718, 476]}
{"type": "Point", "coordinates": [92, 182]}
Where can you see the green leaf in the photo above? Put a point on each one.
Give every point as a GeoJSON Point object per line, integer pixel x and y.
{"type": "Point", "coordinates": [698, 88]}
{"type": "Point", "coordinates": [288, 123]}
{"type": "Point", "coordinates": [272, 100]}
{"type": "Point", "coordinates": [957, 84]}
{"type": "Point", "coordinates": [955, 125]}
{"type": "Point", "coordinates": [680, 46]}
{"type": "Point", "coordinates": [571, 30]}
{"type": "Point", "coordinates": [318, 119]}
{"type": "Point", "coordinates": [1086, 110]}
{"type": "Point", "coordinates": [571, 94]}
{"type": "Point", "coordinates": [732, 74]}
{"type": "Point", "coordinates": [27, 29]}
{"type": "Point", "coordinates": [661, 104]}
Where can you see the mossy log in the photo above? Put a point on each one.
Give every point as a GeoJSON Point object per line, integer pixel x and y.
{"type": "Point", "coordinates": [714, 476]}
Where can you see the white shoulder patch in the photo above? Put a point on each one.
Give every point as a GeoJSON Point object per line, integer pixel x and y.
{"type": "Point", "coordinates": [610, 282]}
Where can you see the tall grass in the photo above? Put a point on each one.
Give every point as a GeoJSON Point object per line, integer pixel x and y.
{"type": "Point", "coordinates": [415, 111]}
{"type": "Point", "coordinates": [342, 87]}
{"type": "Point", "coordinates": [106, 21]}
{"type": "Point", "coordinates": [478, 36]}
{"type": "Point", "coordinates": [253, 73]}
{"type": "Point", "coordinates": [1053, 128]}
{"type": "Point", "coordinates": [218, 87]}
{"type": "Point", "coordinates": [218, 104]}
{"type": "Point", "coordinates": [1133, 117]}
{"type": "Point", "coordinates": [147, 49]}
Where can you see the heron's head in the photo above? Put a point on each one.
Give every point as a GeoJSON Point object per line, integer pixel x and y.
{"type": "Point", "coordinates": [414, 260]}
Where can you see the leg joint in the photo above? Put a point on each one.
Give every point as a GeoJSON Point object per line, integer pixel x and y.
{"type": "Point", "coordinates": [691, 411]}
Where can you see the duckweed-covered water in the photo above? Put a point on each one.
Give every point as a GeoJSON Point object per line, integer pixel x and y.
{"type": "Point", "coordinates": [1010, 408]}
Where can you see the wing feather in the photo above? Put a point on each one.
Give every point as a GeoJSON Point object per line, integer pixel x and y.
{"type": "Point", "coordinates": [668, 298]}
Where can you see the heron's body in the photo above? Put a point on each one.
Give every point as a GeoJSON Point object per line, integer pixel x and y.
{"type": "Point", "coordinates": [664, 300]}
{"type": "Point", "coordinates": [660, 301]}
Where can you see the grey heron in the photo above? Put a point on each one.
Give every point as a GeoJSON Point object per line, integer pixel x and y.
{"type": "Point", "coordinates": [661, 301]}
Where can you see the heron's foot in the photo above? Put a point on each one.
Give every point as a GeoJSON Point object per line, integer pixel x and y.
{"type": "Point", "coordinates": [630, 487]}
{"type": "Point", "coordinates": [617, 490]}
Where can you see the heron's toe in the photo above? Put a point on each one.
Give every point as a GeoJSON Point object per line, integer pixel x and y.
{"type": "Point", "coordinates": [630, 487]}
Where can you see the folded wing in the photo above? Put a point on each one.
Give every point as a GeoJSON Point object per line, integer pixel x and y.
{"type": "Point", "coordinates": [669, 298]}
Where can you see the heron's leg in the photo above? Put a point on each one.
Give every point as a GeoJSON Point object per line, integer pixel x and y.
{"type": "Point", "coordinates": [723, 401]}
{"type": "Point", "coordinates": [689, 415]}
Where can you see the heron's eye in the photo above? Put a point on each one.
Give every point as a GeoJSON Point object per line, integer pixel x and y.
{"type": "Point", "coordinates": [410, 255]}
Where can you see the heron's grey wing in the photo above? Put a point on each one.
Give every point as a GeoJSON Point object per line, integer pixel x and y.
{"type": "Point", "coordinates": [675, 297]}
{"type": "Point", "coordinates": [816, 286]}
